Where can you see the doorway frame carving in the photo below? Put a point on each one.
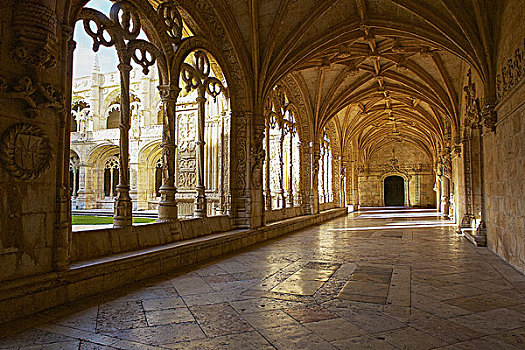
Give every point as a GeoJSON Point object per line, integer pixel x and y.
{"type": "Point", "coordinates": [406, 179]}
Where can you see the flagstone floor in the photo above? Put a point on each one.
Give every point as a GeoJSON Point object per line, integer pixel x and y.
{"type": "Point", "coordinates": [378, 279]}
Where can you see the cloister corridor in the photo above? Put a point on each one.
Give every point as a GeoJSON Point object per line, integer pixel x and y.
{"type": "Point", "coordinates": [377, 279]}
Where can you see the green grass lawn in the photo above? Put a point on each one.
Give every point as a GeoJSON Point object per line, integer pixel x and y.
{"type": "Point", "coordinates": [100, 220]}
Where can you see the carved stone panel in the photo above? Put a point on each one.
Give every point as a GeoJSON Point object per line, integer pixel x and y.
{"type": "Point", "coordinates": [25, 151]}
{"type": "Point", "coordinates": [186, 148]}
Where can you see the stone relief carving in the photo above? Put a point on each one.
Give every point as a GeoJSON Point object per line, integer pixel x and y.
{"type": "Point", "coordinates": [186, 149]}
{"type": "Point", "coordinates": [35, 27]}
{"type": "Point", "coordinates": [511, 73]}
{"type": "Point", "coordinates": [36, 95]}
{"type": "Point", "coordinates": [241, 122]}
{"type": "Point", "coordinates": [25, 151]}
{"type": "Point", "coordinates": [257, 151]}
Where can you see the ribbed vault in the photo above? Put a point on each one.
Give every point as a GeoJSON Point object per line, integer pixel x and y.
{"type": "Point", "coordinates": [386, 70]}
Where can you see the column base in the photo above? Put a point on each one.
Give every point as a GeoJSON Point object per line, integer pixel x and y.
{"type": "Point", "coordinates": [200, 210]}
{"type": "Point", "coordinates": [466, 223]}
{"type": "Point", "coordinates": [477, 236]}
{"type": "Point", "coordinates": [123, 208]}
{"type": "Point", "coordinates": [167, 209]}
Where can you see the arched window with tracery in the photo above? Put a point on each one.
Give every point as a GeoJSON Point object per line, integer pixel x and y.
{"type": "Point", "coordinates": [281, 146]}
{"type": "Point", "coordinates": [158, 176]}
{"type": "Point", "coordinates": [202, 147]}
{"type": "Point", "coordinates": [113, 112]}
{"type": "Point", "coordinates": [74, 174]}
{"type": "Point", "coordinates": [120, 32]}
{"type": "Point", "coordinates": [80, 116]}
{"type": "Point", "coordinates": [111, 176]}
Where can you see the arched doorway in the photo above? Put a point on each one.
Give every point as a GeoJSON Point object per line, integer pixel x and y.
{"type": "Point", "coordinates": [394, 187]}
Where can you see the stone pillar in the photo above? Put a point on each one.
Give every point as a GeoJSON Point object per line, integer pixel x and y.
{"type": "Point", "coordinates": [466, 221]}
{"type": "Point", "coordinates": [268, 192]}
{"type": "Point", "coordinates": [257, 156]}
{"type": "Point", "coordinates": [355, 183]}
{"type": "Point", "coordinates": [316, 155]}
{"type": "Point", "coordinates": [489, 117]}
{"type": "Point", "coordinates": [439, 193]}
{"type": "Point", "coordinates": [220, 209]}
{"type": "Point", "coordinates": [305, 176]}
{"type": "Point", "coordinates": [82, 186]}
{"type": "Point", "coordinates": [63, 231]}
{"type": "Point", "coordinates": [123, 205]}
{"type": "Point", "coordinates": [290, 174]}
{"type": "Point", "coordinates": [240, 201]}
{"type": "Point", "coordinates": [281, 170]}
{"type": "Point", "coordinates": [342, 175]}
{"type": "Point", "coordinates": [200, 189]}
{"type": "Point", "coordinates": [133, 184]}
{"type": "Point", "coordinates": [168, 211]}
{"type": "Point", "coordinates": [417, 188]}
{"type": "Point", "coordinates": [445, 195]}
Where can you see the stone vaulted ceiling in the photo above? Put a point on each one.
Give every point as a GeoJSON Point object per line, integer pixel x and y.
{"type": "Point", "coordinates": [381, 70]}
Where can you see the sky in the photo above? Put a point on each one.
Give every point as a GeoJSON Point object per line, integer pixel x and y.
{"type": "Point", "coordinates": [84, 55]}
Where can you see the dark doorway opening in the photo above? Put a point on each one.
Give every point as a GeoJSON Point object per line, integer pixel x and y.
{"type": "Point", "coordinates": [394, 191]}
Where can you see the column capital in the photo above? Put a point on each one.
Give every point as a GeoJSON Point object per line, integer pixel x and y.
{"type": "Point", "coordinates": [124, 67]}
{"type": "Point", "coordinates": [169, 93]}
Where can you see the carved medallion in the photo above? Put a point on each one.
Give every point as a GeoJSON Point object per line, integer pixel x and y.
{"type": "Point", "coordinates": [25, 151]}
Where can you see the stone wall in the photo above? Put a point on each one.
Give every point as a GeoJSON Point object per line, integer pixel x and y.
{"type": "Point", "coordinates": [504, 182]}
{"type": "Point", "coordinates": [504, 150]}
{"type": "Point", "coordinates": [29, 147]}
{"type": "Point", "coordinates": [412, 165]}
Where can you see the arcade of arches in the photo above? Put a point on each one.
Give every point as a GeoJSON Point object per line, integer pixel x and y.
{"type": "Point", "coordinates": [237, 121]}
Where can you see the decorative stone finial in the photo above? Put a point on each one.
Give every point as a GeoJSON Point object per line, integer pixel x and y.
{"type": "Point", "coordinates": [96, 64]}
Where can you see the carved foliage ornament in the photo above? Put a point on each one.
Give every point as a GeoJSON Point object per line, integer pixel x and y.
{"type": "Point", "coordinates": [25, 151]}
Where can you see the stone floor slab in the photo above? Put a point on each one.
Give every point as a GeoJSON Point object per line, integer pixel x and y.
{"type": "Point", "coordinates": [416, 288]}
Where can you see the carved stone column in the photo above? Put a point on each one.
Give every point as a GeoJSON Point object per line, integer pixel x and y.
{"type": "Point", "coordinates": [355, 183]}
{"type": "Point", "coordinates": [240, 203]}
{"type": "Point", "coordinates": [481, 231]}
{"type": "Point", "coordinates": [220, 210]}
{"type": "Point", "coordinates": [63, 231]}
{"type": "Point", "coordinates": [341, 181]}
{"type": "Point", "coordinates": [280, 192]}
{"type": "Point", "coordinates": [268, 192]}
{"type": "Point", "coordinates": [257, 162]}
{"type": "Point", "coordinates": [197, 76]}
{"type": "Point", "coordinates": [82, 186]}
{"type": "Point", "coordinates": [168, 211]}
{"type": "Point", "coordinates": [466, 221]}
{"type": "Point", "coordinates": [305, 176]}
{"type": "Point", "coordinates": [290, 174]}
{"type": "Point", "coordinates": [446, 195]}
{"type": "Point", "coordinates": [438, 193]}
{"type": "Point", "coordinates": [316, 155]}
{"type": "Point", "coordinates": [123, 205]}
{"type": "Point", "coordinates": [320, 185]}
{"type": "Point", "coordinates": [200, 189]}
